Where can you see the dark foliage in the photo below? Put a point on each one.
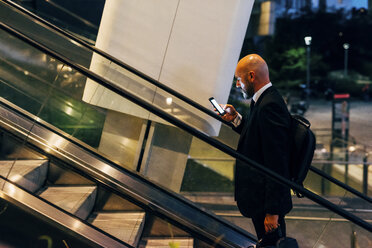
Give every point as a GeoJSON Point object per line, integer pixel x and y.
{"type": "Point", "coordinates": [285, 51]}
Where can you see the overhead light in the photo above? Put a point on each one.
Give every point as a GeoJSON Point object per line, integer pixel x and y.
{"type": "Point", "coordinates": [346, 46]}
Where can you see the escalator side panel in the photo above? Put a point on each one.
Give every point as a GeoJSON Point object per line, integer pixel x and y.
{"type": "Point", "coordinates": [155, 198]}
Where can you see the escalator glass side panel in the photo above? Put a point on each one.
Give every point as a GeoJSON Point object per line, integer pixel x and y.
{"type": "Point", "coordinates": [335, 230]}
{"type": "Point", "coordinates": [323, 228]}
{"type": "Point", "coordinates": [48, 89]}
{"type": "Point", "coordinates": [353, 173]}
{"type": "Point", "coordinates": [35, 29]}
{"type": "Point", "coordinates": [12, 149]}
{"type": "Point", "coordinates": [70, 15]}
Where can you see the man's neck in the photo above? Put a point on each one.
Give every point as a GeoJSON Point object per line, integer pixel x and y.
{"type": "Point", "coordinates": [259, 92]}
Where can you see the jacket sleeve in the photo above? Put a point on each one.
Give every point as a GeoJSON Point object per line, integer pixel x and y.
{"type": "Point", "coordinates": [274, 122]}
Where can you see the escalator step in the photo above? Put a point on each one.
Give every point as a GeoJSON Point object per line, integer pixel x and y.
{"type": "Point", "coordinates": [29, 174]}
{"type": "Point", "coordinates": [78, 200]}
{"type": "Point", "coordinates": [176, 242]}
{"type": "Point", "coordinates": [126, 226]}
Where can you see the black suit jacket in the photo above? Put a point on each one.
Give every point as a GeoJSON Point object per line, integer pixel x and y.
{"type": "Point", "coordinates": [264, 138]}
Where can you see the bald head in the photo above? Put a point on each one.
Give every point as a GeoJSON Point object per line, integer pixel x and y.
{"type": "Point", "coordinates": [253, 63]}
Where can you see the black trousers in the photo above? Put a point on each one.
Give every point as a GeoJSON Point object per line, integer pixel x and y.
{"type": "Point", "coordinates": [258, 222]}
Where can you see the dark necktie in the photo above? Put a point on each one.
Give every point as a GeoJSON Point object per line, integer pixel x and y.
{"type": "Point", "coordinates": [251, 107]}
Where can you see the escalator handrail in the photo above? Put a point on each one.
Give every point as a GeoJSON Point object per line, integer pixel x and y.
{"type": "Point", "coordinates": [71, 14]}
{"type": "Point", "coordinates": [120, 63]}
{"type": "Point", "coordinates": [341, 184]}
{"type": "Point", "coordinates": [166, 88]}
{"type": "Point", "coordinates": [200, 135]}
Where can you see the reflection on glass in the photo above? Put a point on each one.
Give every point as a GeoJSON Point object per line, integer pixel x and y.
{"type": "Point", "coordinates": [208, 169]}
{"type": "Point", "coordinates": [354, 174]}
{"type": "Point", "coordinates": [323, 228]}
{"type": "Point", "coordinates": [38, 31]}
{"type": "Point", "coordinates": [49, 89]}
{"type": "Point", "coordinates": [181, 162]}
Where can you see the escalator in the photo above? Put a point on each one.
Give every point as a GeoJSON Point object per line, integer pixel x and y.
{"type": "Point", "coordinates": [74, 169]}
{"type": "Point", "coordinates": [45, 172]}
{"type": "Point", "coordinates": [116, 205]}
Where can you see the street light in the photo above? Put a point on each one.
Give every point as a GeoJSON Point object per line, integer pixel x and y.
{"type": "Point", "coordinates": [308, 43]}
{"type": "Point", "coordinates": [346, 48]}
{"type": "Point", "coordinates": [308, 40]}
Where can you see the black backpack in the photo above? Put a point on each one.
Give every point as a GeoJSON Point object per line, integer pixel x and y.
{"type": "Point", "coordinates": [302, 149]}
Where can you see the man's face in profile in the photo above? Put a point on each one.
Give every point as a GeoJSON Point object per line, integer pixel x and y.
{"type": "Point", "coordinates": [246, 88]}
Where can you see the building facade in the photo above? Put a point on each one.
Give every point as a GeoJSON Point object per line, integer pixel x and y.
{"type": "Point", "coordinates": [265, 12]}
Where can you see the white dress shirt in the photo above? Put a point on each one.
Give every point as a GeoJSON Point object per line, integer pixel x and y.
{"type": "Point", "coordinates": [238, 119]}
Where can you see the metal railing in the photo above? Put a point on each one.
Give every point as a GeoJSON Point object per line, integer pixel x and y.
{"type": "Point", "coordinates": [173, 120]}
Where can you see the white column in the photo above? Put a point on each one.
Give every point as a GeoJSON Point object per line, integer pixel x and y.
{"type": "Point", "coordinates": [192, 46]}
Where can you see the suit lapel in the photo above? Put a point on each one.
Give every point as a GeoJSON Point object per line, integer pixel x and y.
{"type": "Point", "coordinates": [248, 123]}
{"type": "Point", "coordinates": [253, 113]}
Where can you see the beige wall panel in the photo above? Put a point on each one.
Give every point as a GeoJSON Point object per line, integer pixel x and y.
{"type": "Point", "coordinates": [204, 49]}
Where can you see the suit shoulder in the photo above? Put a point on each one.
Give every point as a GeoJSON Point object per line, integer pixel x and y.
{"type": "Point", "coordinates": [273, 97]}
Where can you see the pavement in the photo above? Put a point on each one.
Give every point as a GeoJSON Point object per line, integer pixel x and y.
{"type": "Point", "coordinates": [320, 116]}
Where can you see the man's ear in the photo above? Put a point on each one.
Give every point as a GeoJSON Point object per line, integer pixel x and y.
{"type": "Point", "coordinates": [251, 74]}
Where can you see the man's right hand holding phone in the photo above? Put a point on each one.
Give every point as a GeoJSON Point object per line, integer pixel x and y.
{"type": "Point", "coordinates": [231, 113]}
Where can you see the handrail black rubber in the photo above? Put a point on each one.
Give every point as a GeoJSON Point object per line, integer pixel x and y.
{"type": "Point", "coordinates": [164, 87]}
{"type": "Point", "coordinates": [341, 184]}
{"type": "Point", "coordinates": [328, 162]}
{"type": "Point", "coordinates": [213, 142]}
{"type": "Point", "coordinates": [77, 17]}
{"type": "Point", "coordinates": [121, 63]}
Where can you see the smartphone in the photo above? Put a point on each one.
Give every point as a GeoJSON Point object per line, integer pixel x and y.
{"type": "Point", "coordinates": [217, 106]}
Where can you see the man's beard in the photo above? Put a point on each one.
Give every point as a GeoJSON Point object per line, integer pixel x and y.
{"type": "Point", "coordinates": [245, 95]}
{"type": "Point", "coordinates": [248, 93]}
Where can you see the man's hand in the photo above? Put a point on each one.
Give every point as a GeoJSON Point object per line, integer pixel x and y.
{"type": "Point", "coordinates": [271, 222]}
{"type": "Point", "coordinates": [230, 114]}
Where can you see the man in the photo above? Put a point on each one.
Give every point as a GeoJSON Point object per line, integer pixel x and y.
{"type": "Point", "coordinates": [264, 138]}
